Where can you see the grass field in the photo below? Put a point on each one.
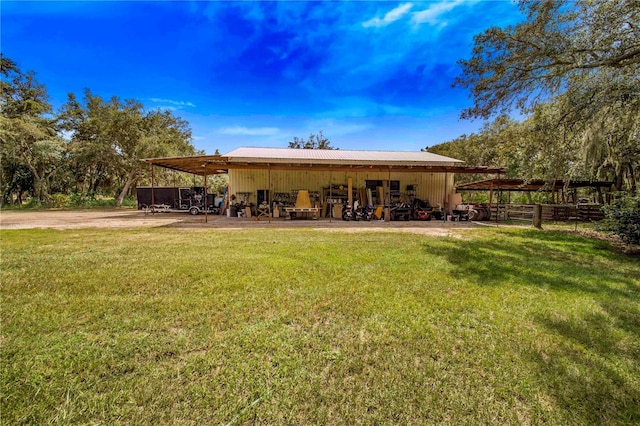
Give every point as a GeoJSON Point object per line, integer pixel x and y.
{"type": "Point", "coordinates": [197, 326]}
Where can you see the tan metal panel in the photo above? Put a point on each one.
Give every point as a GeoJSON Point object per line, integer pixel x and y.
{"type": "Point", "coordinates": [434, 187]}
{"type": "Point", "coordinates": [344, 156]}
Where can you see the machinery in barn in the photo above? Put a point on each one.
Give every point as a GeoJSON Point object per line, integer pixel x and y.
{"type": "Point", "coordinates": [471, 212]}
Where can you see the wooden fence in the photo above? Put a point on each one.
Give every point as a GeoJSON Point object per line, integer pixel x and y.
{"type": "Point", "coordinates": [550, 212]}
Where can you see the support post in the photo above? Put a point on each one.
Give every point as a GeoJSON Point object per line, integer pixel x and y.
{"type": "Point", "coordinates": [330, 206]}
{"type": "Point", "coordinates": [491, 195]}
{"type": "Point", "coordinates": [600, 197]}
{"type": "Point", "coordinates": [537, 216]}
{"type": "Point", "coordinates": [350, 191]}
{"type": "Point", "coordinates": [269, 196]}
{"type": "Point", "coordinates": [206, 207]}
{"type": "Point", "coordinates": [387, 201]}
{"type": "Point", "coordinates": [175, 185]}
{"type": "Point", "coordinates": [445, 202]}
{"type": "Point", "coordinates": [153, 198]}
{"type": "Point", "coordinates": [499, 199]}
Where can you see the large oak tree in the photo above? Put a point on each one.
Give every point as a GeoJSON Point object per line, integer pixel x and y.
{"type": "Point", "coordinates": [574, 69]}
{"type": "Point", "coordinates": [28, 137]}
{"type": "Point", "coordinates": [109, 138]}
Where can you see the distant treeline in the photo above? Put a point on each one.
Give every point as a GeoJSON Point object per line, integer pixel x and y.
{"type": "Point", "coordinates": [88, 148]}
{"type": "Point", "coordinates": [572, 70]}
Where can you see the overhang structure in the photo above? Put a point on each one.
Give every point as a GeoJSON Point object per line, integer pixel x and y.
{"type": "Point", "coordinates": [319, 160]}
{"type": "Point", "coordinates": [534, 185]}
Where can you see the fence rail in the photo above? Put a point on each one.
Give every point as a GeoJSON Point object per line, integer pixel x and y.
{"type": "Point", "coordinates": [550, 212]}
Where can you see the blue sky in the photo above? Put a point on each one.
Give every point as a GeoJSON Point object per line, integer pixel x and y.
{"type": "Point", "coordinates": [371, 75]}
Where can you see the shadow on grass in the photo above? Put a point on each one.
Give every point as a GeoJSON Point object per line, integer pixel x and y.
{"type": "Point", "coordinates": [591, 367]}
{"type": "Point", "coordinates": [554, 261]}
{"type": "Point", "coordinates": [593, 372]}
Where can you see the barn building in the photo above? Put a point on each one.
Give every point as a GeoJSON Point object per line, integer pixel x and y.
{"type": "Point", "coordinates": [268, 175]}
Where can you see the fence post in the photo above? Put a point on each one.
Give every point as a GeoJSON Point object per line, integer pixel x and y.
{"type": "Point", "coordinates": [537, 216]}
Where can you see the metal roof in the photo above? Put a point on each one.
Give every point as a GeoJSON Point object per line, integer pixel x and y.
{"type": "Point", "coordinates": [337, 156]}
{"type": "Point", "coordinates": [529, 185]}
{"type": "Point", "coordinates": [318, 160]}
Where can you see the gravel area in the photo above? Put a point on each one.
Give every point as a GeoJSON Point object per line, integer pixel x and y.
{"type": "Point", "coordinates": [128, 218]}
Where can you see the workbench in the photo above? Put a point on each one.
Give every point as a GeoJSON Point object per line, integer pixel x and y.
{"type": "Point", "coordinates": [303, 210]}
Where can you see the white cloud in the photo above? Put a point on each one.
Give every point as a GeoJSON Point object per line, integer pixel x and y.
{"type": "Point", "coordinates": [433, 13]}
{"type": "Point", "coordinates": [175, 104]}
{"type": "Point", "coordinates": [391, 16]}
{"type": "Point", "coordinates": [331, 127]}
{"type": "Point", "coordinates": [166, 107]}
{"type": "Point", "coordinates": [247, 131]}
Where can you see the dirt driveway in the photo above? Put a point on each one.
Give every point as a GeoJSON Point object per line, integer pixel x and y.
{"type": "Point", "coordinates": [128, 218]}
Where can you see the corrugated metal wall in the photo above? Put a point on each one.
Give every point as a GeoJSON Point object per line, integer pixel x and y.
{"type": "Point", "coordinates": [431, 186]}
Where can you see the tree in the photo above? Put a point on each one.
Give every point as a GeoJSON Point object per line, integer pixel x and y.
{"type": "Point", "coordinates": [318, 141]}
{"type": "Point", "coordinates": [575, 66]}
{"type": "Point", "coordinates": [161, 134]}
{"type": "Point", "coordinates": [110, 138]}
{"type": "Point", "coordinates": [560, 45]}
{"type": "Point", "coordinates": [29, 139]}
{"type": "Point", "coordinates": [611, 142]}
{"type": "Point", "coordinates": [499, 143]}
{"type": "Point", "coordinates": [93, 157]}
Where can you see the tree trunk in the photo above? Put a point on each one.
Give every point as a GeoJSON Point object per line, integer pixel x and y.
{"type": "Point", "coordinates": [632, 179]}
{"type": "Point", "coordinates": [133, 175]}
{"type": "Point", "coordinates": [39, 185]}
{"type": "Point", "coordinates": [6, 197]}
{"type": "Point", "coordinates": [619, 180]}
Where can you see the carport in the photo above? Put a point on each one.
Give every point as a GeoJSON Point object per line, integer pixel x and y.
{"type": "Point", "coordinates": [278, 170]}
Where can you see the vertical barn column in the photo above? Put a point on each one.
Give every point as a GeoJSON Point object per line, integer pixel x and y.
{"type": "Point", "coordinates": [330, 205]}
{"type": "Point", "coordinates": [387, 199]}
{"type": "Point", "coordinates": [270, 210]}
{"type": "Point", "coordinates": [445, 198]}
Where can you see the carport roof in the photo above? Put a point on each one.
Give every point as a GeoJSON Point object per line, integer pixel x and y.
{"type": "Point", "coordinates": [316, 159]}
{"type": "Point", "coordinates": [529, 185]}
{"type": "Point", "coordinates": [338, 156]}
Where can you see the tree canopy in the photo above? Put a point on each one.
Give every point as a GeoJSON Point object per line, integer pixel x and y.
{"type": "Point", "coordinates": [560, 47]}
{"type": "Point", "coordinates": [31, 149]}
{"type": "Point", "coordinates": [318, 141]}
{"type": "Point", "coordinates": [110, 138]}
{"type": "Point", "coordinates": [572, 69]}
{"type": "Point", "coordinates": [87, 146]}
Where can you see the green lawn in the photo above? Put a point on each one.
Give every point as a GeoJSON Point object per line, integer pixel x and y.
{"type": "Point", "coordinates": [193, 326]}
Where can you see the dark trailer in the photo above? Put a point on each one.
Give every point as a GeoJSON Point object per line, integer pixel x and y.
{"type": "Point", "coordinates": [170, 198]}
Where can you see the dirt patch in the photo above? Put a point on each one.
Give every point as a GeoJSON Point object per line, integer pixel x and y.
{"type": "Point", "coordinates": [76, 219]}
{"type": "Point", "coordinates": [128, 218]}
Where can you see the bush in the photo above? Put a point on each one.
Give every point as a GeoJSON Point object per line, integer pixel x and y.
{"type": "Point", "coordinates": [130, 201]}
{"type": "Point", "coordinates": [73, 201]}
{"type": "Point", "coordinates": [623, 219]}
{"type": "Point", "coordinates": [58, 200]}
{"type": "Point", "coordinates": [90, 201]}
{"type": "Point", "coordinates": [33, 203]}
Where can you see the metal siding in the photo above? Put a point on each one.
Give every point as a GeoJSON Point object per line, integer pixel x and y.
{"type": "Point", "coordinates": [430, 186]}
